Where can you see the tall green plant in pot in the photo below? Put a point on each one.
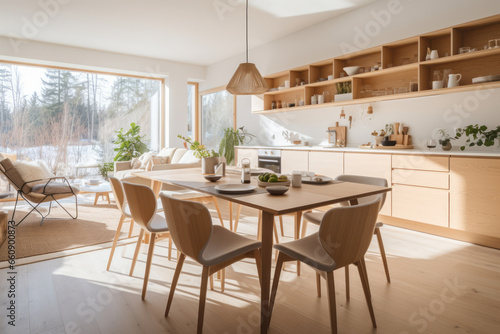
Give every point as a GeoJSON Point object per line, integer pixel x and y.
{"type": "Point", "coordinates": [231, 139]}
{"type": "Point", "coordinates": [129, 144]}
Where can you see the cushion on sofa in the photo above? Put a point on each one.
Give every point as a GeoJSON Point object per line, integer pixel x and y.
{"type": "Point", "coordinates": [179, 153]}
{"type": "Point", "coordinates": [135, 163]}
{"type": "Point", "coordinates": [189, 158]}
{"type": "Point", "coordinates": [167, 153]}
{"type": "Point", "coordinates": [145, 158]}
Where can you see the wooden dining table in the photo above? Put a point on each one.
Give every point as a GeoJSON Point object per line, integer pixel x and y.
{"type": "Point", "coordinates": [304, 198]}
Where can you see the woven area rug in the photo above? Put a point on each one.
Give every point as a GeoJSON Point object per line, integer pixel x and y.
{"type": "Point", "coordinates": [95, 225]}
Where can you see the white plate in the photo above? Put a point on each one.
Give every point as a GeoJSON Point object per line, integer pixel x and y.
{"type": "Point", "coordinates": [316, 179]}
{"type": "Point", "coordinates": [234, 188]}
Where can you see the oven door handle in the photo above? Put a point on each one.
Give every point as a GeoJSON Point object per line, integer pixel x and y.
{"type": "Point", "coordinates": [267, 160]}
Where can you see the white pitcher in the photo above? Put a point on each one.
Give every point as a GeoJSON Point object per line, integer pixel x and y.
{"type": "Point", "coordinates": [454, 80]}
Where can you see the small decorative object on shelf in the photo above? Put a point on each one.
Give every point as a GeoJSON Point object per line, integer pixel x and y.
{"type": "Point", "coordinates": [428, 57]}
{"type": "Point", "coordinates": [445, 140]}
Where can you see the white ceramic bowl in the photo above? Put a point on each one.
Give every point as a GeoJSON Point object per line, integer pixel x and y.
{"type": "Point", "coordinates": [93, 181]}
{"type": "Point", "coordinates": [351, 70]}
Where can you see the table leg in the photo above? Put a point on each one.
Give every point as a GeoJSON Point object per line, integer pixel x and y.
{"type": "Point", "coordinates": [107, 196]}
{"type": "Point", "coordinates": [156, 186]}
{"type": "Point", "coordinates": [96, 198]}
{"type": "Point", "coordinates": [296, 235]}
{"type": "Point", "coordinates": [267, 252]}
{"type": "Point", "coordinates": [231, 216]}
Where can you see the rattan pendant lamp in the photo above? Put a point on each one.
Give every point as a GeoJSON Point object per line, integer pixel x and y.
{"type": "Point", "coordinates": [247, 79]}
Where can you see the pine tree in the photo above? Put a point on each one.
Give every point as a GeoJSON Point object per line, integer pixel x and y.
{"type": "Point", "coordinates": [58, 87]}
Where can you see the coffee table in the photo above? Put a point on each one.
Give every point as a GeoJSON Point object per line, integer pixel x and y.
{"type": "Point", "coordinates": [103, 189]}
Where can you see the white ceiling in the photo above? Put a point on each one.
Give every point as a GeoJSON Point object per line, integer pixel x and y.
{"type": "Point", "coordinates": [192, 31]}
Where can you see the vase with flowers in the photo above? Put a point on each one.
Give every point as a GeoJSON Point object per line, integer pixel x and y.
{"type": "Point", "coordinates": [209, 158]}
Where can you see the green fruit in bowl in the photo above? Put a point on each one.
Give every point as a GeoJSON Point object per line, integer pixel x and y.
{"type": "Point", "coordinates": [282, 178]}
{"type": "Point", "coordinates": [273, 179]}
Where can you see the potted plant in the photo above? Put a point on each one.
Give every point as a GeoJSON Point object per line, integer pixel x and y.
{"type": "Point", "coordinates": [478, 135]}
{"type": "Point", "coordinates": [129, 144]}
{"type": "Point", "coordinates": [231, 139]}
{"type": "Point", "coordinates": [445, 140]}
{"type": "Point", "coordinates": [105, 168]}
{"type": "Point", "coordinates": [209, 158]}
{"type": "Point", "coordinates": [344, 91]}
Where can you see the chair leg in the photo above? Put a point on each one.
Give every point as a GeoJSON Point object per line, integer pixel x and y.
{"type": "Point", "coordinates": [115, 240]}
{"type": "Point", "coordinates": [347, 286]}
{"type": "Point", "coordinates": [298, 218]}
{"type": "Point", "coordinates": [304, 228]}
{"type": "Point", "coordinates": [148, 264]}
{"type": "Point", "coordinates": [237, 218]}
{"type": "Point", "coordinates": [276, 236]}
{"type": "Point", "coordinates": [276, 280]}
{"type": "Point", "coordinates": [258, 262]}
{"type": "Point", "coordinates": [230, 216]}
{"type": "Point", "coordinates": [318, 284]}
{"type": "Point", "coordinates": [212, 282]}
{"type": "Point", "coordinates": [259, 227]}
{"type": "Point", "coordinates": [203, 297]}
{"type": "Point", "coordinates": [131, 228]}
{"type": "Point", "coordinates": [170, 242]}
{"type": "Point", "coordinates": [218, 210]}
{"type": "Point", "coordinates": [136, 252]}
{"type": "Point", "coordinates": [281, 226]}
{"type": "Point", "coordinates": [366, 288]}
{"type": "Point", "coordinates": [177, 273]}
{"type": "Point", "coordinates": [223, 280]}
{"type": "Point", "coordinates": [382, 253]}
{"type": "Point", "coordinates": [331, 301]}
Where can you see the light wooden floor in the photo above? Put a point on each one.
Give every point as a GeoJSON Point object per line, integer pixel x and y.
{"type": "Point", "coordinates": [439, 286]}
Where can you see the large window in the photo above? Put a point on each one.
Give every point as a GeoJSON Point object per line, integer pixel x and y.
{"type": "Point", "coordinates": [68, 118]}
{"type": "Point", "coordinates": [217, 113]}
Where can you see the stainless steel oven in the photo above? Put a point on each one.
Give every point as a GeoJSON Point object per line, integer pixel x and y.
{"type": "Point", "coordinates": [270, 159]}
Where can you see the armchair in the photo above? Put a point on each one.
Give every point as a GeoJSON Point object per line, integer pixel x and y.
{"type": "Point", "coordinates": [36, 192]}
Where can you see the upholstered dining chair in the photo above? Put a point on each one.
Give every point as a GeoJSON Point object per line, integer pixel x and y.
{"type": "Point", "coordinates": [344, 236]}
{"type": "Point", "coordinates": [143, 207]}
{"type": "Point", "coordinates": [35, 192]}
{"type": "Point", "coordinates": [316, 217]}
{"type": "Point", "coordinates": [212, 246]}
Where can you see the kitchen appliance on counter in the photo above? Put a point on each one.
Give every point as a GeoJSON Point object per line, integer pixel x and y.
{"type": "Point", "coordinates": [270, 159]}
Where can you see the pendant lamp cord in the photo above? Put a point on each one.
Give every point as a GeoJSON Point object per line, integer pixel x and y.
{"type": "Point", "coordinates": [247, 27]}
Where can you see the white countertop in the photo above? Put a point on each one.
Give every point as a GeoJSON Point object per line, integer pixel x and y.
{"type": "Point", "coordinates": [455, 151]}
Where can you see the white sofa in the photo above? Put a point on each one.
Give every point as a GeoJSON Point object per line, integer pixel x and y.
{"type": "Point", "coordinates": [173, 158]}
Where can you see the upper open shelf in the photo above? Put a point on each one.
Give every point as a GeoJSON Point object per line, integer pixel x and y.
{"type": "Point", "coordinates": [392, 71]}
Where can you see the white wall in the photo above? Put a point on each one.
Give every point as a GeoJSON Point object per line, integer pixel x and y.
{"type": "Point", "coordinates": [177, 74]}
{"type": "Point", "coordinates": [422, 115]}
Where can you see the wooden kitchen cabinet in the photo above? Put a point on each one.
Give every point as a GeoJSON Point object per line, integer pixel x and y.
{"type": "Point", "coordinates": [421, 178]}
{"type": "Point", "coordinates": [435, 163]}
{"type": "Point", "coordinates": [294, 160]}
{"type": "Point", "coordinates": [425, 205]}
{"type": "Point", "coordinates": [327, 163]}
{"type": "Point", "coordinates": [374, 165]}
{"type": "Point", "coordinates": [249, 153]}
{"type": "Point", "coordinates": [475, 195]}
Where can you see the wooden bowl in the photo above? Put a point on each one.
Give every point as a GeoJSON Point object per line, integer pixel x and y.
{"type": "Point", "coordinates": [297, 142]}
{"type": "Point", "coordinates": [277, 190]}
{"type": "Point", "coordinates": [212, 177]}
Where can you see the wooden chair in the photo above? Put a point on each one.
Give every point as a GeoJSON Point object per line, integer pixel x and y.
{"type": "Point", "coordinates": [143, 207]}
{"type": "Point", "coordinates": [214, 247]}
{"type": "Point", "coordinates": [316, 218]}
{"type": "Point", "coordinates": [116, 187]}
{"type": "Point", "coordinates": [344, 237]}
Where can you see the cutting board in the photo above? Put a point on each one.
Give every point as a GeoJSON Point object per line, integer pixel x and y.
{"type": "Point", "coordinates": [341, 133]}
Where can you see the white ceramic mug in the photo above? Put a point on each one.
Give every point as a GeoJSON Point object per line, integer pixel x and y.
{"type": "Point", "coordinates": [296, 179]}
{"type": "Point", "coordinates": [321, 99]}
{"type": "Point", "coordinates": [437, 84]}
{"type": "Point", "coordinates": [434, 54]}
{"type": "Point", "coordinates": [287, 83]}
{"type": "Point", "coordinates": [454, 80]}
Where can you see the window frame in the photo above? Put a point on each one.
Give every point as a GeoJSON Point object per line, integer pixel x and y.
{"type": "Point", "coordinates": [196, 113]}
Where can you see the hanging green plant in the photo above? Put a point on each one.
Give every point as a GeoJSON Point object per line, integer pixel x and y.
{"type": "Point", "coordinates": [478, 135]}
